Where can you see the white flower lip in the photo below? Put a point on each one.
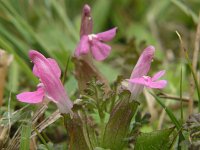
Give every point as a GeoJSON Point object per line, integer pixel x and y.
{"type": "Point", "coordinates": [91, 36]}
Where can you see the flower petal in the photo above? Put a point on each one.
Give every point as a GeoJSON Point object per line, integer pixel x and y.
{"type": "Point", "coordinates": [65, 106]}
{"type": "Point", "coordinates": [52, 84]}
{"type": "Point", "coordinates": [86, 21]}
{"type": "Point", "coordinates": [158, 75]}
{"type": "Point", "coordinates": [100, 50]}
{"type": "Point", "coordinates": [158, 84]}
{"type": "Point", "coordinates": [35, 71]}
{"type": "Point", "coordinates": [83, 46]}
{"type": "Point", "coordinates": [141, 69]}
{"type": "Point", "coordinates": [144, 63]}
{"type": "Point", "coordinates": [32, 97]}
{"type": "Point", "coordinates": [55, 67]}
{"type": "Point", "coordinates": [53, 64]}
{"type": "Point", "coordinates": [141, 81]}
{"type": "Point", "coordinates": [107, 35]}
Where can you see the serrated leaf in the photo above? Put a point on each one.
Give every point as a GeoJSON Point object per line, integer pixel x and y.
{"type": "Point", "coordinates": [118, 126]}
{"type": "Point", "coordinates": [156, 140]}
{"type": "Point", "coordinates": [193, 127]}
{"type": "Point", "coordinates": [75, 128]}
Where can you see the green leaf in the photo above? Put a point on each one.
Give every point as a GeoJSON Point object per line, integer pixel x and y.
{"type": "Point", "coordinates": [172, 117]}
{"type": "Point", "coordinates": [25, 137]}
{"type": "Point", "coordinates": [169, 112]}
{"type": "Point", "coordinates": [42, 139]}
{"type": "Point", "coordinates": [156, 140]}
{"type": "Point", "coordinates": [118, 126]}
{"type": "Point", "coordinates": [77, 133]}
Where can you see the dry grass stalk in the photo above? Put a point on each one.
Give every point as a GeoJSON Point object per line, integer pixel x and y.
{"type": "Point", "coordinates": [15, 141]}
{"type": "Point", "coordinates": [45, 123]}
{"type": "Point", "coordinates": [3, 136]}
{"type": "Point", "coordinates": [5, 60]}
{"type": "Point", "coordinates": [151, 105]}
{"type": "Point", "coordinates": [194, 65]}
{"type": "Point", "coordinates": [176, 98]}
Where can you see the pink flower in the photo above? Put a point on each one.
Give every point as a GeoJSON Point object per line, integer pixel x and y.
{"type": "Point", "coordinates": [138, 77]}
{"type": "Point", "coordinates": [151, 82]}
{"type": "Point", "coordinates": [48, 71]}
{"type": "Point", "coordinates": [86, 21]}
{"type": "Point", "coordinates": [93, 43]}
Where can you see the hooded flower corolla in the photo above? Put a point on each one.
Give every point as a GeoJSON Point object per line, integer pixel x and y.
{"type": "Point", "coordinates": [48, 71]}
{"type": "Point", "coordinates": [93, 43]}
{"type": "Point", "coordinates": [139, 77]}
{"type": "Point", "coordinates": [86, 21]}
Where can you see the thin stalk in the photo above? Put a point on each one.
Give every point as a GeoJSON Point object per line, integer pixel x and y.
{"type": "Point", "coordinates": [65, 72]}
{"type": "Point", "coordinates": [191, 69]}
{"type": "Point", "coordinates": [101, 115]}
{"type": "Point", "coordinates": [41, 138]}
{"type": "Point", "coordinates": [174, 140]}
{"type": "Point", "coordinates": [172, 118]}
{"type": "Point", "coordinates": [87, 127]}
{"type": "Point", "coordinates": [168, 111]}
{"type": "Point", "coordinates": [113, 101]}
{"type": "Point", "coordinates": [177, 98]}
{"type": "Point", "coordinates": [98, 106]}
{"type": "Point", "coordinates": [181, 99]}
{"type": "Point", "coordinates": [63, 16]}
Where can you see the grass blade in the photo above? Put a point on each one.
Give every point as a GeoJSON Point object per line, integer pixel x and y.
{"type": "Point", "coordinates": [63, 16]}
{"type": "Point", "coordinates": [173, 119]}
{"type": "Point", "coordinates": [168, 111]}
{"type": "Point", "coordinates": [41, 138]}
{"type": "Point", "coordinates": [191, 68]}
{"type": "Point", "coordinates": [65, 72]}
{"type": "Point", "coordinates": [25, 137]}
{"type": "Point", "coordinates": [181, 79]}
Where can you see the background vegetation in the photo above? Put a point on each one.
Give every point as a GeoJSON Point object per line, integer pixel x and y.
{"type": "Point", "coordinates": [52, 27]}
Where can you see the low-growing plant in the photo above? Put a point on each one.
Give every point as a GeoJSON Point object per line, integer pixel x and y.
{"type": "Point", "coordinates": [100, 115]}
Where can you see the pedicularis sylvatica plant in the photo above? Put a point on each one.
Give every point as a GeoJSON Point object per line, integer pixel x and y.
{"type": "Point", "coordinates": [117, 124]}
